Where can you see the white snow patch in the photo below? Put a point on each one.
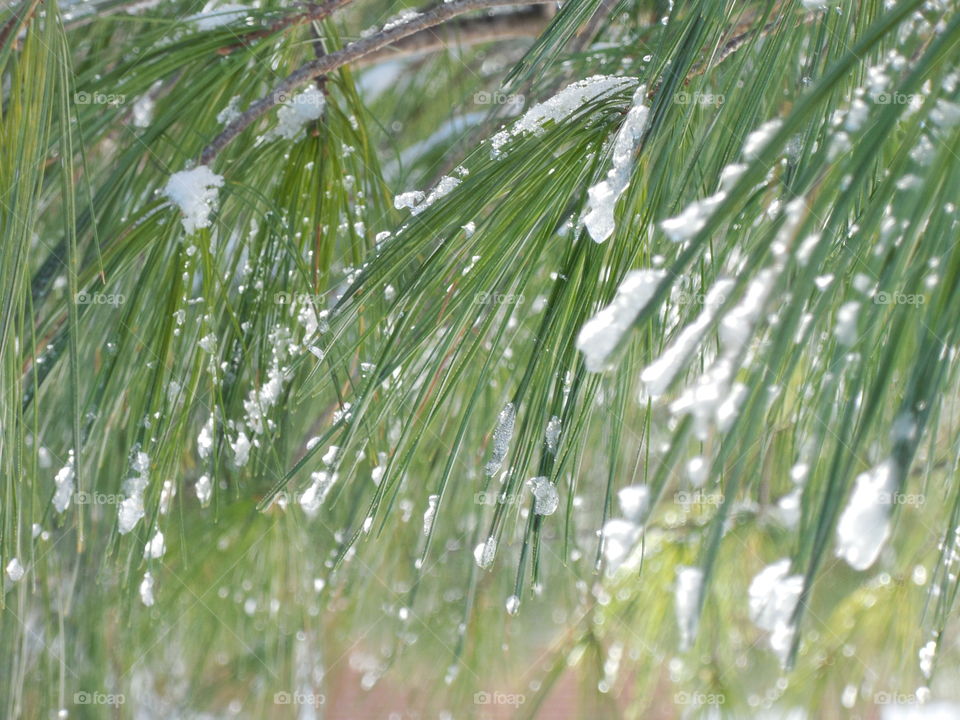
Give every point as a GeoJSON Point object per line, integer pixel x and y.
{"type": "Point", "coordinates": [601, 334]}
{"type": "Point", "coordinates": [864, 525]}
{"type": "Point", "coordinates": [195, 193]}
{"type": "Point", "coordinates": [687, 603]}
{"type": "Point", "coordinates": [599, 219]}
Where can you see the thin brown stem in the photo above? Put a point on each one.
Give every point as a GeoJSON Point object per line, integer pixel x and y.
{"type": "Point", "coordinates": [350, 53]}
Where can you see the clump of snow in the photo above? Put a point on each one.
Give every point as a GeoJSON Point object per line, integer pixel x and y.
{"type": "Point", "coordinates": [545, 496]}
{"type": "Point", "coordinates": [846, 327]}
{"type": "Point", "coordinates": [773, 597]}
{"type": "Point", "coordinates": [417, 201]}
{"type": "Point", "coordinates": [634, 502]}
{"type": "Point", "coordinates": [864, 525]}
{"type": "Point", "coordinates": [561, 106]}
{"type": "Point", "coordinates": [131, 509]}
{"type": "Point", "coordinates": [513, 605]}
{"type": "Point", "coordinates": [15, 570]}
{"type": "Point", "coordinates": [603, 196]}
{"type": "Point", "coordinates": [401, 18]}
{"type": "Point", "coordinates": [601, 334]}
{"type": "Point", "coordinates": [430, 514]}
{"type": "Point", "coordinates": [64, 484]}
{"type": "Point", "coordinates": [241, 449]}
{"type": "Point", "coordinates": [687, 603]}
{"type": "Point", "coordinates": [619, 537]}
{"type": "Point", "coordinates": [204, 489]}
{"type": "Point", "coordinates": [205, 438]}
{"type": "Point", "coordinates": [195, 193]}
{"type": "Point", "coordinates": [296, 112]}
{"type": "Point", "coordinates": [146, 589]}
{"type": "Point", "coordinates": [502, 435]}
{"type": "Point", "coordinates": [760, 138]}
{"type": "Point", "coordinates": [230, 111]}
{"type": "Point", "coordinates": [658, 375]}
{"type": "Point", "coordinates": [156, 548]}
{"type": "Point", "coordinates": [313, 497]}
{"type": "Point", "coordinates": [693, 218]}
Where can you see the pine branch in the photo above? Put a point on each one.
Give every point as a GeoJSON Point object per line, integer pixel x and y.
{"type": "Point", "coordinates": [350, 53]}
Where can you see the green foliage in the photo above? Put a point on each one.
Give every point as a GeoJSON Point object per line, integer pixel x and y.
{"type": "Point", "coordinates": [122, 334]}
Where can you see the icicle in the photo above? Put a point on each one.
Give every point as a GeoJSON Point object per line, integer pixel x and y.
{"type": "Point", "coordinates": [502, 435]}
{"type": "Point", "coordinates": [599, 219]}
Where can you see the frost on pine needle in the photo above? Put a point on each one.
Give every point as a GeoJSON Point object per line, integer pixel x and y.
{"type": "Point", "coordinates": [131, 509]}
{"type": "Point", "coordinates": [502, 434]}
{"type": "Point", "coordinates": [64, 485]}
{"type": "Point", "coordinates": [658, 375]}
{"type": "Point", "coordinates": [545, 496]}
{"type": "Point", "coordinates": [485, 552]}
{"type": "Point", "coordinates": [430, 513]}
{"type": "Point", "coordinates": [241, 449]}
{"type": "Point", "coordinates": [552, 435]}
{"type": "Point", "coordinates": [864, 525]}
{"type": "Point", "coordinates": [512, 605]}
{"type": "Point", "coordinates": [773, 597]}
{"type": "Point", "coordinates": [296, 112]}
{"type": "Point", "coordinates": [687, 603]}
{"type": "Point", "coordinates": [195, 193]}
{"type": "Point", "coordinates": [601, 335]}
{"type": "Point", "coordinates": [561, 106]}
{"type": "Point", "coordinates": [15, 570]}
{"type": "Point", "coordinates": [599, 219]}
{"type": "Point", "coordinates": [146, 589]}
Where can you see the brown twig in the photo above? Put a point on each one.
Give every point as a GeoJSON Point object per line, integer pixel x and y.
{"type": "Point", "coordinates": [313, 13]}
{"type": "Point", "coordinates": [462, 32]}
{"type": "Point", "coordinates": [350, 53]}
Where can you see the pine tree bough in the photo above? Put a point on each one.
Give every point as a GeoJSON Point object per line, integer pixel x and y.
{"type": "Point", "coordinates": [353, 51]}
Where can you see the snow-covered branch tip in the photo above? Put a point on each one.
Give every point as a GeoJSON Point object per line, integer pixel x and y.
{"type": "Point", "coordinates": [390, 33]}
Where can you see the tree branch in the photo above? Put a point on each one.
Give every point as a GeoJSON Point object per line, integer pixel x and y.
{"type": "Point", "coordinates": [353, 51]}
{"type": "Point", "coordinates": [462, 32]}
